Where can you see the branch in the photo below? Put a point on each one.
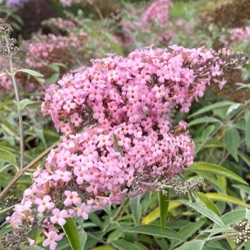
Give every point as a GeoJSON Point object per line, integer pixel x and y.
{"type": "Point", "coordinates": [221, 237]}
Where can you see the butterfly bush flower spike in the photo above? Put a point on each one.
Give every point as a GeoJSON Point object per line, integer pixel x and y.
{"type": "Point", "coordinates": [117, 135]}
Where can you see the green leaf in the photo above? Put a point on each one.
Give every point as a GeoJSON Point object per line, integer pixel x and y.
{"type": "Point", "coordinates": [205, 137]}
{"type": "Point", "coordinates": [191, 245]}
{"type": "Point", "coordinates": [3, 211]}
{"type": "Point", "coordinates": [154, 230]}
{"type": "Point", "coordinates": [123, 245]}
{"type": "Point", "coordinates": [212, 107]}
{"type": "Point", "coordinates": [71, 232]}
{"type": "Point", "coordinates": [30, 72]}
{"type": "Point", "coordinates": [8, 128]}
{"type": "Point", "coordinates": [115, 46]}
{"type": "Point", "coordinates": [56, 67]}
{"type": "Point", "coordinates": [208, 203]}
{"type": "Point", "coordinates": [155, 214]}
{"type": "Point", "coordinates": [205, 211]}
{"type": "Point", "coordinates": [161, 242]}
{"type": "Point", "coordinates": [36, 235]}
{"type": "Point", "coordinates": [94, 218]}
{"type": "Point", "coordinates": [242, 85]}
{"type": "Point", "coordinates": [140, 246]}
{"type": "Point", "coordinates": [7, 156]}
{"type": "Point", "coordinates": [163, 204]}
{"type": "Point", "coordinates": [215, 169]}
{"type": "Point", "coordinates": [205, 120]}
{"type": "Point", "coordinates": [233, 107]}
{"type": "Point", "coordinates": [22, 104]}
{"type": "Point", "coordinates": [187, 231]}
{"type": "Point", "coordinates": [226, 198]}
{"type": "Point", "coordinates": [5, 228]}
{"type": "Point", "coordinates": [231, 140]}
{"type": "Point", "coordinates": [103, 248]}
{"type": "Point", "coordinates": [118, 148]}
{"type": "Point", "coordinates": [54, 78]}
{"type": "Point", "coordinates": [83, 238]}
{"type": "Point", "coordinates": [211, 143]}
{"type": "Point", "coordinates": [247, 132]}
{"type": "Point", "coordinates": [32, 248]}
{"type": "Point", "coordinates": [206, 133]}
{"type": "Point", "coordinates": [115, 235]}
{"type": "Point", "coordinates": [220, 113]}
{"type": "Point", "coordinates": [233, 216]}
{"type": "Point", "coordinates": [242, 188]}
{"type": "Point", "coordinates": [136, 208]}
{"type": "Point", "coordinates": [244, 157]}
{"type": "Point", "coordinates": [247, 245]}
{"type": "Point", "coordinates": [63, 244]}
{"type": "Point", "coordinates": [25, 179]}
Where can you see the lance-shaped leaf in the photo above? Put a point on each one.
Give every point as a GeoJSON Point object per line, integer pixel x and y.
{"type": "Point", "coordinates": [30, 72]}
{"type": "Point", "coordinates": [215, 169]}
{"type": "Point", "coordinates": [7, 156]}
{"type": "Point", "coordinates": [212, 107]}
{"type": "Point", "coordinates": [191, 245]}
{"type": "Point", "coordinates": [136, 208]}
{"type": "Point", "coordinates": [226, 198]}
{"type": "Point", "coordinates": [154, 230]}
{"type": "Point", "coordinates": [71, 232]}
{"type": "Point", "coordinates": [231, 140]}
{"type": "Point", "coordinates": [24, 103]}
{"type": "Point", "coordinates": [163, 204]}
{"type": "Point", "coordinates": [155, 214]}
{"type": "Point", "coordinates": [208, 213]}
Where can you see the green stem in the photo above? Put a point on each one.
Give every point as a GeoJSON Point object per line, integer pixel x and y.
{"type": "Point", "coordinates": [19, 112]}
{"type": "Point", "coordinates": [221, 237]}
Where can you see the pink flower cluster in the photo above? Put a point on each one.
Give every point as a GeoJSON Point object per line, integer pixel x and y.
{"type": "Point", "coordinates": [152, 26]}
{"type": "Point", "coordinates": [5, 83]}
{"type": "Point", "coordinates": [158, 11]}
{"type": "Point", "coordinates": [156, 81]}
{"type": "Point", "coordinates": [70, 2]}
{"type": "Point", "coordinates": [51, 48]}
{"type": "Point", "coordinates": [239, 34]}
{"type": "Point", "coordinates": [117, 133]}
{"type": "Point", "coordinates": [60, 23]}
{"type": "Point", "coordinates": [236, 35]}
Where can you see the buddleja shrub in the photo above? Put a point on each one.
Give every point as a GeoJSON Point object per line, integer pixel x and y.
{"type": "Point", "coordinates": [117, 136]}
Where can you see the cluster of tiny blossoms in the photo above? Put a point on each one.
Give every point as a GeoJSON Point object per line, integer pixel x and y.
{"type": "Point", "coordinates": [239, 34]}
{"type": "Point", "coordinates": [236, 35]}
{"type": "Point", "coordinates": [158, 10]}
{"type": "Point", "coordinates": [51, 48]}
{"type": "Point", "coordinates": [5, 83]}
{"type": "Point", "coordinates": [154, 18]}
{"type": "Point", "coordinates": [117, 134]}
{"type": "Point", "coordinates": [70, 2]}
{"type": "Point", "coordinates": [13, 3]}
{"type": "Point", "coordinates": [60, 23]}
